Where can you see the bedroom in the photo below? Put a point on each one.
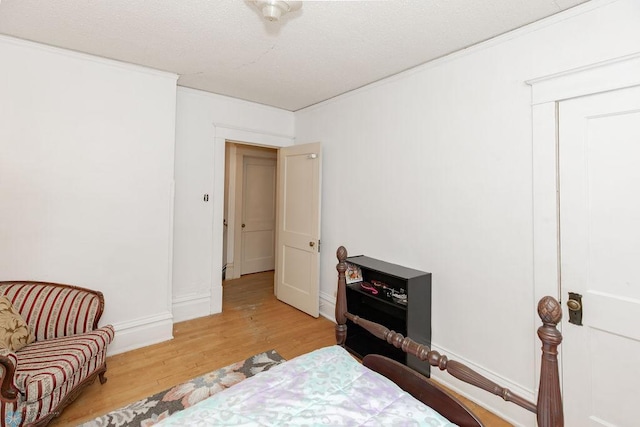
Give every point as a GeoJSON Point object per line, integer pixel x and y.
{"type": "Point", "coordinates": [460, 124]}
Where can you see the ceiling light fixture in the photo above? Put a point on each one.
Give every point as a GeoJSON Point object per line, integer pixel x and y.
{"type": "Point", "coordinates": [272, 10]}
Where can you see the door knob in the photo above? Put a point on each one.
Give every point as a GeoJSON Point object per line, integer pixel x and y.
{"type": "Point", "coordinates": [574, 304]}
{"type": "Point", "coordinates": [312, 244]}
{"type": "Point", "coordinates": [243, 225]}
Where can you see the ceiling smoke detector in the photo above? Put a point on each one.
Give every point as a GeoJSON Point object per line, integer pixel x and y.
{"type": "Point", "coordinates": [272, 10]}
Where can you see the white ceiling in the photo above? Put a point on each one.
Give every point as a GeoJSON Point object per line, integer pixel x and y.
{"type": "Point", "coordinates": [225, 46]}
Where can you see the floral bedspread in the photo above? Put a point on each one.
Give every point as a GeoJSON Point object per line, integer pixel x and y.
{"type": "Point", "coordinates": [324, 387]}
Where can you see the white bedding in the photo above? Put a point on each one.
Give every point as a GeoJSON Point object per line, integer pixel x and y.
{"type": "Point", "coordinates": [324, 387]}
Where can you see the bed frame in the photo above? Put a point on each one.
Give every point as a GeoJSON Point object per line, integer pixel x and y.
{"type": "Point", "coordinates": [548, 409]}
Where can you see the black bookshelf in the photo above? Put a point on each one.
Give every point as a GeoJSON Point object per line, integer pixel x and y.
{"type": "Point", "coordinates": [412, 319]}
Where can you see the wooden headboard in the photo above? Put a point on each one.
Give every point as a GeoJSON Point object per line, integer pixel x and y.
{"type": "Point", "coordinates": [548, 408]}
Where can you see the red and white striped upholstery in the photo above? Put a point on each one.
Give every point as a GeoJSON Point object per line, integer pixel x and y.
{"type": "Point", "coordinates": [69, 351]}
{"type": "Point", "coordinates": [53, 311]}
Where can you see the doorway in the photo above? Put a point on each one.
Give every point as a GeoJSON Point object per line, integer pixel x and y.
{"type": "Point", "coordinates": [263, 186]}
{"type": "Point", "coordinates": [249, 209]}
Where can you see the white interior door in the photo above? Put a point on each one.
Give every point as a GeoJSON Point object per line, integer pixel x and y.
{"type": "Point", "coordinates": [298, 241]}
{"type": "Point", "coordinates": [258, 226]}
{"type": "Point", "coordinates": [599, 174]}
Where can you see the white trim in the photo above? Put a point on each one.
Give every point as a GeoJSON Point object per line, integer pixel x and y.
{"type": "Point", "coordinates": [230, 193]}
{"type": "Point", "coordinates": [507, 411]}
{"type": "Point", "coordinates": [545, 202]}
{"type": "Point", "coordinates": [608, 75]}
{"type": "Point", "coordinates": [546, 238]}
{"type": "Point", "coordinates": [218, 223]}
{"type": "Point", "coordinates": [603, 76]}
{"type": "Point", "coordinates": [471, 50]}
{"type": "Point", "coordinates": [216, 298]}
{"type": "Point", "coordinates": [223, 133]}
{"type": "Point", "coordinates": [228, 99]}
{"type": "Point", "coordinates": [172, 195]}
{"type": "Point", "coordinates": [487, 400]}
{"type": "Point", "coordinates": [88, 57]}
{"type": "Point", "coordinates": [328, 306]}
{"type": "Point", "coordinates": [546, 92]}
{"type": "Point", "coordinates": [237, 198]}
{"type": "Point", "coordinates": [141, 332]}
{"type": "Point", "coordinates": [256, 136]}
{"type": "Point", "coordinates": [191, 306]}
{"type": "Point", "coordinates": [230, 269]}
{"type": "Point", "coordinates": [236, 221]}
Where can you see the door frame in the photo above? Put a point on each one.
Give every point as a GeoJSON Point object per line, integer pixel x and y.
{"type": "Point", "coordinates": [546, 93]}
{"type": "Point", "coordinates": [221, 134]}
{"type": "Point", "coordinates": [236, 199]}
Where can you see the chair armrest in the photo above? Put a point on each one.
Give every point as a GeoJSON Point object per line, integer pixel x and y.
{"type": "Point", "coordinates": [8, 363]}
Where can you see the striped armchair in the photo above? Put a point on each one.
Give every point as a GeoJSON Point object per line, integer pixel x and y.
{"type": "Point", "coordinates": [69, 352]}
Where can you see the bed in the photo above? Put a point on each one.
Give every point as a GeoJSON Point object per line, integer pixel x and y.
{"type": "Point", "coordinates": [330, 387]}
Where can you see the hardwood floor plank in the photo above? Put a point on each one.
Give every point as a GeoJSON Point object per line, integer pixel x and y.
{"type": "Point", "coordinates": [252, 321]}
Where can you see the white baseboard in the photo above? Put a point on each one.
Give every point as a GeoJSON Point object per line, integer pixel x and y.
{"type": "Point", "coordinates": [141, 333]}
{"type": "Point", "coordinates": [191, 306]}
{"type": "Point", "coordinates": [328, 306]}
{"type": "Point", "coordinates": [508, 411]}
{"type": "Point", "coordinates": [215, 301]}
{"type": "Point", "coordinates": [505, 410]}
{"type": "Point", "coordinates": [229, 271]}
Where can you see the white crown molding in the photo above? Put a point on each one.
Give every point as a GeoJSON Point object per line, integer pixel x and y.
{"type": "Point", "coordinates": [227, 98]}
{"type": "Point", "coordinates": [470, 50]}
{"type": "Point", "coordinates": [87, 57]}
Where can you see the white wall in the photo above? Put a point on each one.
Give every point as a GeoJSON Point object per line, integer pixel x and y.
{"type": "Point", "coordinates": [86, 175]}
{"type": "Point", "coordinates": [204, 122]}
{"type": "Point", "coordinates": [438, 161]}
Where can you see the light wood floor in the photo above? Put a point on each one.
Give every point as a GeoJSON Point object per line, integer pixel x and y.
{"type": "Point", "coordinates": [252, 321]}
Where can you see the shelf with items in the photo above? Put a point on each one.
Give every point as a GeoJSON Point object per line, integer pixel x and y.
{"type": "Point", "coordinates": [372, 285]}
{"type": "Point", "coordinates": [357, 287]}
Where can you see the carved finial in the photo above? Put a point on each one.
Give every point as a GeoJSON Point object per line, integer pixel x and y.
{"type": "Point", "coordinates": [549, 310]}
{"type": "Point", "coordinates": [341, 253]}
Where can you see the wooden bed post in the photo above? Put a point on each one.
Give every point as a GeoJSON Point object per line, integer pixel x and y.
{"type": "Point", "coordinates": [341, 299]}
{"type": "Point", "coordinates": [549, 405]}
{"type": "Point", "coordinates": [549, 413]}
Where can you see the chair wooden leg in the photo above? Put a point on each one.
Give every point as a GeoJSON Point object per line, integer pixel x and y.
{"type": "Point", "coordinates": [102, 378]}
